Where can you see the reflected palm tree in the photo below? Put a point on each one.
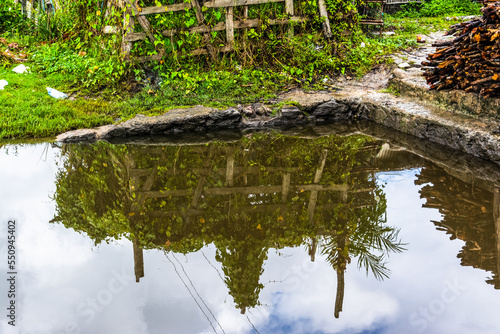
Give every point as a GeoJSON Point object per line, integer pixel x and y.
{"type": "Point", "coordinates": [362, 234]}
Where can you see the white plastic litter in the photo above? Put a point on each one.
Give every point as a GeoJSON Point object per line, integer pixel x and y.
{"type": "Point", "coordinates": [56, 94]}
{"type": "Point", "coordinates": [3, 83]}
{"type": "Point", "coordinates": [20, 69]}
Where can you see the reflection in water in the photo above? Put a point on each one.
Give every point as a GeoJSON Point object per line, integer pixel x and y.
{"type": "Point", "coordinates": [265, 192]}
{"type": "Point", "coordinates": [470, 213]}
{"type": "Point", "coordinates": [245, 197]}
{"type": "Point", "coordinates": [270, 220]}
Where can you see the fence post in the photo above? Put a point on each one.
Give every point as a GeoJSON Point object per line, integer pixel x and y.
{"type": "Point", "coordinates": [229, 27]}
{"type": "Point", "coordinates": [324, 15]}
{"type": "Point", "coordinates": [128, 27]}
{"type": "Point", "coordinates": [289, 12]}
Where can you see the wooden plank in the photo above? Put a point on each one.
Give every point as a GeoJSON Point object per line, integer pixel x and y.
{"type": "Point", "coordinates": [198, 191]}
{"type": "Point", "coordinates": [156, 57]}
{"type": "Point", "coordinates": [245, 32]}
{"type": "Point", "coordinates": [138, 259]}
{"type": "Point", "coordinates": [138, 202]}
{"type": "Point", "coordinates": [146, 26]}
{"type": "Point", "coordinates": [229, 26]}
{"type": "Point", "coordinates": [165, 9]}
{"type": "Point", "coordinates": [371, 22]}
{"type": "Point", "coordinates": [198, 12]}
{"type": "Point", "coordinates": [143, 21]}
{"type": "Point", "coordinates": [234, 3]}
{"type": "Point", "coordinates": [249, 190]}
{"type": "Point", "coordinates": [313, 197]}
{"type": "Point", "coordinates": [363, 190]}
{"type": "Point", "coordinates": [289, 7]}
{"type": "Point", "coordinates": [134, 37]}
{"type": "Point", "coordinates": [289, 12]}
{"type": "Point", "coordinates": [203, 51]}
{"type": "Point", "coordinates": [203, 178]}
{"type": "Point", "coordinates": [237, 170]}
{"type": "Point", "coordinates": [138, 36]}
{"type": "Point", "coordinates": [327, 30]}
{"type": "Point", "coordinates": [394, 2]}
{"type": "Point", "coordinates": [313, 248]}
{"type": "Point", "coordinates": [285, 187]}
{"type": "Point", "coordinates": [230, 168]}
{"type": "Point", "coordinates": [110, 29]}
{"type": "Point", "coordinates": [128, 29]}
{"type": "Point", "coordinates": [260, 208]}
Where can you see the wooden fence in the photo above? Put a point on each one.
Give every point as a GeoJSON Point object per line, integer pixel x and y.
{"type": "Point", "coordinates": [135, 13]}
{"type": "Point", "coordinates": [142, 180]}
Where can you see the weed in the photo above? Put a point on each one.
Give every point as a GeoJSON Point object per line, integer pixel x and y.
{"type": "Point", "coordinates": [437, 8]}
{"type": "Point", "coordinates": [391, 89]}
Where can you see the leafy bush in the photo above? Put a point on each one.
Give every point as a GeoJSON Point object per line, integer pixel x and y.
{"type": "Point", "coordinates": [435, 8]}
{"type": "Point", "coordinates": [91, 69]}
{"type": "Point", "coordinates": [10, 15]}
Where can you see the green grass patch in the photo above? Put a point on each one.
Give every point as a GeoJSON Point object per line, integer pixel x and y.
{"type": "Point", "coordinates": [26, 110]}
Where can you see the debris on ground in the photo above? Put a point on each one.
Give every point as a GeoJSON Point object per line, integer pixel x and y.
{"type": "Point", "coordinates": [20, 69]}
{"type": "Point", "coordinates": [56, 94]}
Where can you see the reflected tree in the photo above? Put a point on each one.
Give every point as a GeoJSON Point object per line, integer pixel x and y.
{"type": "Point", "coordinates": [360, 233]}
{"type": "Point", "coordinates": [264, 191]}
{"type": "Point", "coordinates": [469, 212]}
{"type": "Point", "coordinates": [92, 192]}
{"type": "Point", "coordinates": [242, 262]}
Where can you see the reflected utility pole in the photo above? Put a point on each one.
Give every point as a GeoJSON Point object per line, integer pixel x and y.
{"type": "Point", "coordinates": [496, 218]}
{"type": "Point", "coordinates": [138, 260]}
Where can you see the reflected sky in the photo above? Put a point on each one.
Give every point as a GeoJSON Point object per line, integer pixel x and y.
{"type": "Point", "coordinates": [68, 285]}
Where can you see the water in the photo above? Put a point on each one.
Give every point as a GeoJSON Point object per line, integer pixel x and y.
{"type": "Point", "coordinates": [265, 234]}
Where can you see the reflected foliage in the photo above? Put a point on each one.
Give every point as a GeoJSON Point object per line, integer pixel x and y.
{"type": "Point", "coordinates": [468, 212]}
{"type": "Point", "coordinates": [365, 238]}
{"type": "Point", "coordinates": [92, 194]}
{"type": "Point", "coordinates": [263, 191]}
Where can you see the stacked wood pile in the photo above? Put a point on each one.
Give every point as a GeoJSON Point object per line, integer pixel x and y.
{"type": "Point", "coordinates": [471, 61]}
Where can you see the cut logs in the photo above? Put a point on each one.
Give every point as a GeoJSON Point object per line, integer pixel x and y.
{"type": "Point", "coordinates": [470, 61]}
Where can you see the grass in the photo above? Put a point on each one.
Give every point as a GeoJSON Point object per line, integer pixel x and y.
{"type": "Point", "coordinates": [27, 111]}
{"type": "Point", "coordinates": [409, 27]}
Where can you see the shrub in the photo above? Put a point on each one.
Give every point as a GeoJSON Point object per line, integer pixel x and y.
{"type": "Point", "coordinates": [435, 8]}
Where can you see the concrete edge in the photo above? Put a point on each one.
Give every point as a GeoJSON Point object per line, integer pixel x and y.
{"type": "Point", "coordinates": [455, 131]}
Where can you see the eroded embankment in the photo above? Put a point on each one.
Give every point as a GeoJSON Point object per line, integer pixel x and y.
{"type": "Point", "coordinates": [458, 131]}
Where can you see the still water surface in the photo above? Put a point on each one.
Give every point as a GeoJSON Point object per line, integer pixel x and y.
{"type": "Point", "coordinates": [266, 234]}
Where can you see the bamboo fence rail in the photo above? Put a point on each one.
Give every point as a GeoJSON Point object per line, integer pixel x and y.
{"type": "Point", "coordinates": [134, 14]}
